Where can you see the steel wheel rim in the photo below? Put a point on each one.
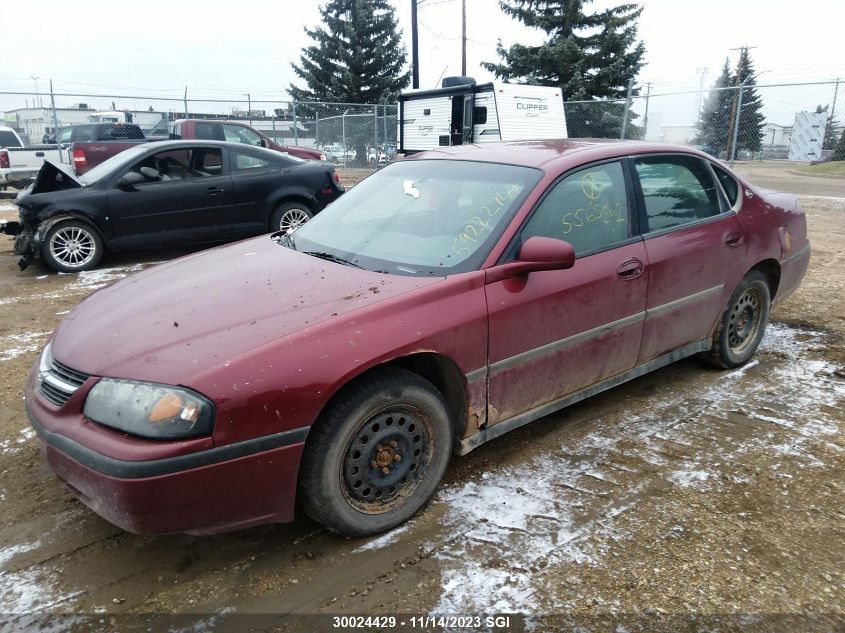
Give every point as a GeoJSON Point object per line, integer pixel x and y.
{"type": "Point", "coordinates": [73, 246]}
{"type": "Point", "coordinates": [292, 219]}
{"type": "Point", "coordinates": [744, 321]}
{"type": "Point", "coordinates": [387, 459]}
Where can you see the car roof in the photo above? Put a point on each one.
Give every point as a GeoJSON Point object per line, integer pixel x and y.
{"type": "Point", "coordinates": [203, 143]}
{"type": "Point", "coordinates": [552, 152]}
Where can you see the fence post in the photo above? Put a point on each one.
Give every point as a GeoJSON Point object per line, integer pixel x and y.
{"type": "Point", "coordinates": [55, 122]}
{"type": "Point", "coordinates": [384, 122]}
{"type": "Point", "coordinates": [317, 128]}
{"type": "Point", "coordinates": [627, 107]}
{"type": "Point", "coordinates": [295, 131]}
{"type": "Point", "coordinates": [343, 135]}
{"type": "Point", "coordinates": [185, 98]}
{"type": "Point", "coordinates": [736, 123]}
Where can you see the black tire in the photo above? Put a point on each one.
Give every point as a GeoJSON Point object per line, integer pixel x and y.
{"type": "Point", "coordinates": [377, 454]}
{"type": "Point", "coordinates": [71, 246]}
{"type": "Point", "coordinates": [290, 216]}
{"type": "Point", "coordinates": [743, 323]}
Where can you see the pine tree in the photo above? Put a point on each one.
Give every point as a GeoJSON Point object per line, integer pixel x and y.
{"type": "Point", "coordinates": [829, 141]}
{"type": "Point", "coordinates": [714, 121]}
{"type": "Point", "coordinates": [751, 119]}
{"type": "Point", "coordinates": [589, 56]}
{"type": "Point", "coordinates": [357, 55]}
{"type": "Point", "coordinates": [839, 151]}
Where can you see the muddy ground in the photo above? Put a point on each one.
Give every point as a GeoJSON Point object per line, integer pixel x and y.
{"type": "Point", "coordinates": [686, 491]}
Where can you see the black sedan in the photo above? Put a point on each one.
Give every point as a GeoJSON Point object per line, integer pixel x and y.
{"type": "Point", "coordinates": [166, 193]}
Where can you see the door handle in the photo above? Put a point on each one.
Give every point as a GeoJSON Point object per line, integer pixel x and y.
{"type": "Point", "coordinates": [213, 191]}
{"type": "Point", "coordinates": [631, 269]}
{"type": "Point", "coordinates": [39, 154]}
{"type": "Point", "coordinates": [734, 239]}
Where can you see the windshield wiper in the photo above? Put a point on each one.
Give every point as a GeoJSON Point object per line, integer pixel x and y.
{"type": "Point", "coordinates": [332, 258]}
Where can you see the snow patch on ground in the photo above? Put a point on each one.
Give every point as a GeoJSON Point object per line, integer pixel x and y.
{"type": "Point", "coordinates": [14, 345]}
{"type": "Point", "coordinates": [10, 447]}
{"type": "Point", "coordinates": [506, 527]}
{"type": "Point", "coordinates": [384, 540]}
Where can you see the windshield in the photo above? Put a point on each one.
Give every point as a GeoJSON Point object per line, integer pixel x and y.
{"type": "Point", "coordinates": [109, 165]}
{"type": "Point", "coordinates": [420, 217]}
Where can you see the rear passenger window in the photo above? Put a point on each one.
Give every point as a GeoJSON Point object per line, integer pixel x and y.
{"type": "Point", "coordinates": [248, 162]}
{"type": "Point", "coordinates": [677, 190]}
{"type": "Point", "coordinates": [588, 209]}
{"type": "Point", "coordinates": [728, 184]}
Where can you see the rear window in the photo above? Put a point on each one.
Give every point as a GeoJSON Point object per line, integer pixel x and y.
{"type": "Point", "coordinates": [120, 133]}
{"type": "Point", "coordinates": [9, 139]}
{"type": "Point", "coordinates": [209, 131]}
{"type": "Point", "coordinates": [728, 184]}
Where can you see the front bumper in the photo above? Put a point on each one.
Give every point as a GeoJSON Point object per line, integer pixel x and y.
{"type": "Point", "coordinates": [207, 491]}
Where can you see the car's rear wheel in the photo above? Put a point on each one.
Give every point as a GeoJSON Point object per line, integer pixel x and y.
{"type": "Point", "coordinates": [743, 323]}
{"type": "Point", "coordinates": [71, 246]}
{"type": "Point", "coordinates": [290, 216]}
{"type": "Point", "coordinates": [377, 454]}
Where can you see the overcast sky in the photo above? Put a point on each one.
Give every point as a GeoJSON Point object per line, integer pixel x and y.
{"type": "Point", "coordinates": [160, 47]}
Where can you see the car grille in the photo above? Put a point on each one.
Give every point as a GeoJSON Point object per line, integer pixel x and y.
{"type": "Point", "coordinates": [60, 382]}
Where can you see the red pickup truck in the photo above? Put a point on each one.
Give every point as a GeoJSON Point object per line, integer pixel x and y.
{"type": "Point", "coordinates": [235, 132]}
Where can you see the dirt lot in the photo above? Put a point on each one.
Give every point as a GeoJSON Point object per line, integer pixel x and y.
{"type": "Point", "coordinates": [686, 491]}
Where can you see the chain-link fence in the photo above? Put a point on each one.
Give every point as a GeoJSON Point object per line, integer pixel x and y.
{"type": "Point", "coordinates": [352, 135]}
{"type": "Point", "coordinates": [800, 121]}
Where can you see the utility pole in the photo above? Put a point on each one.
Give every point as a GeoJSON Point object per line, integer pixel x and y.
{"type": "Point", "coordinates": [734, 124]}
{"type": "Point", "coordinates": [37, 96]}
{"type": "Point", "coordinates": [645, 116]}
{"type": "Point", "coordinates": [185, 100]}
{"type": "Point", "coordinates": [415, 50]}
{"type": "Point", "coordinates": [463, 38]}
{"type": "Point", "coordinates": [249, 107]}
{"type": "Point", "coordinates": [702, 72]}
{"type": "Point", "coordinates": [833, 107]}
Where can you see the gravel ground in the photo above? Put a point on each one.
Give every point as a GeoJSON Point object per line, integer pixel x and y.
{"type": "Point", "coordinates": [686, 491]}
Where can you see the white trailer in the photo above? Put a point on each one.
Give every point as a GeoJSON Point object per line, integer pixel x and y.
{"type": "Point", "coordinates": [463, 112]}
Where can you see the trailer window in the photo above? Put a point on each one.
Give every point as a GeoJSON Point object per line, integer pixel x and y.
{"type": "Point", "coordinates": [479, 115]}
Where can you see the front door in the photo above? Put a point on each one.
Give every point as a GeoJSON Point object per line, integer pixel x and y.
{"type": "Point", "coordinates": [695, 247]}
{"type": "Point", "coordinates": [555, 332]}
{"type": "Point", "coordinates": [187, 196]}
{"type": "Point", "coordinates": [460, 127]}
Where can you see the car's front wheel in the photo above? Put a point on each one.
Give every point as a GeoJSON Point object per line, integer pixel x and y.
{"type": "Point", "coordinates": [377, 454]}
{"type": "Point", "coordinates": [743, 323]}
{"type": "Point", "coordinates": [72, 246]}
{"type": "Point", "coordinates": [290, 216]}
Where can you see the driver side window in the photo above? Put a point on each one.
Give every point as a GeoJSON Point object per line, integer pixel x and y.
{"type": "Point", "coordinates": [179, 164]}
{"type": "Point", "coordinates": [238, 134]}
{"type": "Point", "coordinates": [588, 209]}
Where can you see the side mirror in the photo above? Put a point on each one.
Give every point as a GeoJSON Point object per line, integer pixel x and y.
{"type": "Point", "coordinates": [264, 142]}
{"type": "Point", "coordinates": [130, 179]}
{"type": "Point", "coordinates": [537, 254]}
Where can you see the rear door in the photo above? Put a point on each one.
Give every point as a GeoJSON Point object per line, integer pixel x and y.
{"type": "Point", "coordinates": [190, 199]}
{"type": "Point", "coordinates": [695, 247]}
{"type": "Point", "coordinates": [553, 333]}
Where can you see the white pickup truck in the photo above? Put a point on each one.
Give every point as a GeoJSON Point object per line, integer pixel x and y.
{"type": "Point", "coordinates": [19, 164]}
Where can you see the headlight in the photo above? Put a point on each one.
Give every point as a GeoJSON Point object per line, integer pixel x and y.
{"type": "Point", "coordinates": [149, 410]}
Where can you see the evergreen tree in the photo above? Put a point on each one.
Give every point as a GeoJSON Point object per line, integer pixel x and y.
{"type": "Point", "coordinates": [839, 151]}
{"type": "Point", "coordinates": [357, 55]}
{"type": "Point", "coordinates": [829, 141]}
{"type": "Point", "coordinates": [751, 119]}
{"type": "Point", "coordinates": [714, 121]}
{"type": "Point", "coordinates": [588, 56]}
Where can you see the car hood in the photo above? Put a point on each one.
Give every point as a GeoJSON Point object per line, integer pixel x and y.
{"type": "Point", "coordinates": [174, 321]}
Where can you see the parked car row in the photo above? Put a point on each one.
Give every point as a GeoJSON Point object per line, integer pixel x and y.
{"type": "Point", "coordinates": [444, 301]}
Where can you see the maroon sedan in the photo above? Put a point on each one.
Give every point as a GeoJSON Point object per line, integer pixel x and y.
{"type": "Point", "coordinates": [444, 301]}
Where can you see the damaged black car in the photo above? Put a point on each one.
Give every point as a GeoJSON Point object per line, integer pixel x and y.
{"type": "Point", "coordinates": [164, 194]}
